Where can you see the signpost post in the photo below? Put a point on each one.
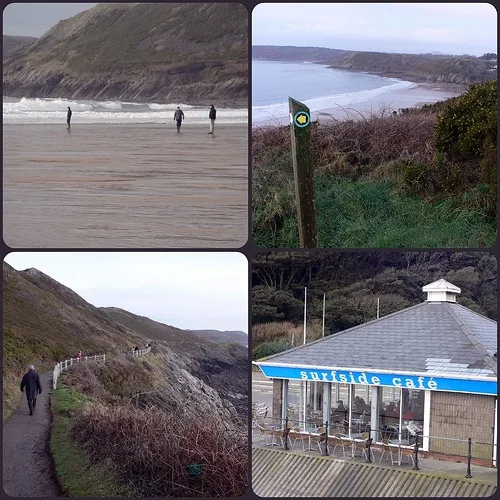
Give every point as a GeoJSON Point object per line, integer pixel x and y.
{"type": "Point", "coordinates": [300, 127]}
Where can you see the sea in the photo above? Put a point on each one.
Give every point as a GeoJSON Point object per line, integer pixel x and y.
{"type": "Point", "coordinates": [316, 85]}
{"type": "Point", "coordinates": [51, 111]}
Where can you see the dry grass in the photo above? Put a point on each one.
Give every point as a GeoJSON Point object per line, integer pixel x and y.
{"type": "Point", "coordinates": [154, 450]}
{"type": "Point", "coordinates": [285, 332]}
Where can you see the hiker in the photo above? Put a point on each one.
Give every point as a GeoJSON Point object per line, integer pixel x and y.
{"type": "Point", "coordinates": [178, 117]}
{"type": "Point", "coordinates": [79, 356]}
{"type": "Point", "coordinates": [68, 117]}
{"type": "Point", "coordinates": [211, 115]}
{"type": "Point", "coordinates": [31, 381]}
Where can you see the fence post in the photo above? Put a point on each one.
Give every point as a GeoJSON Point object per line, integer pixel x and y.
{"type": "Point", "coordinates": [469, 456]}
{"type": "Point", "coordinates": [303, 170]}
{"type": "Point", "coordinates": [326, 438]}
{"type": "Point", "coordinates": [285, 433]}
{"type": "Point", "coordinates": [415, 465]}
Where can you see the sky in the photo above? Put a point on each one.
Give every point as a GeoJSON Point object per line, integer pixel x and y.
{"type": "Point", "coordinates": [450, 28]}
{"type": "Point", "coordinates": [188, 290]}
{"type": "Point", "coordinates": [34, 19]}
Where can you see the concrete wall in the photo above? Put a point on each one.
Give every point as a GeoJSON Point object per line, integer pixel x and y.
{"type": "Point", "coordinates": [460, 416]}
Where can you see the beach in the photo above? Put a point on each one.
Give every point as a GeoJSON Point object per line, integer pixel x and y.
{"type": "Point", "coordinates": [392, 100]}
{"type": "Point", "coordinates": [125, 186]}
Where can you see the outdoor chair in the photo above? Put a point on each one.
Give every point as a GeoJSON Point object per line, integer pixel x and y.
{"type": "Point", "coordinates": [342, 444]}
{"type": "Point", "coordinates": [386, 449]}
{"type": "Point", "coordinates": [297, 435]}
{"type": "Point", "coordinates": [319, 437]}
{"type": "Point", "coordinates": [364, 446]}
{"type": "Point", "coordinates": [266, 432]}
{"type": "Point", "coordinates": [282, 433]}
{"type": "Point", "coordinates": [409, 452]}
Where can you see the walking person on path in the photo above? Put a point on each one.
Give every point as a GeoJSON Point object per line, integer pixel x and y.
{"type": "Point", "coordinates": [31, 381]}
{"type": "Point", "coordinates": [178, 117]}
{"type": "Point", "coordinates": [68, 117]}
{"type": "Point", "coordinates": [211, 114]}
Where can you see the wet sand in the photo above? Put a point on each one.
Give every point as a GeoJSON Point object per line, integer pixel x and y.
{"type": "Point", "coordinates": [125, 186]}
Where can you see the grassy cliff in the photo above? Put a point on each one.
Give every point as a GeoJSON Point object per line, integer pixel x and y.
{"type": "Point", "coordinates": [193, 53]}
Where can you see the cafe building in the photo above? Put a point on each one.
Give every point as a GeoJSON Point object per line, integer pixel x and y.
{"type": "Point", "coordinates": [427, 372]}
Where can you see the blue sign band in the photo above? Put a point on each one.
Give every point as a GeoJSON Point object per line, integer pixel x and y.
{"type": "Point", "coordinates": [488, 387]}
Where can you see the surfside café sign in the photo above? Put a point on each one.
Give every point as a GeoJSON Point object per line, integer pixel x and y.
{"type": "Point", "coordinates": [401, 380]}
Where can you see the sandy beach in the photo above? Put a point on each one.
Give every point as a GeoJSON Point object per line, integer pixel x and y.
{"type": "Point", "coordinates": [125, 186]}
{"type": "Point", "coordinates": [420, 94]}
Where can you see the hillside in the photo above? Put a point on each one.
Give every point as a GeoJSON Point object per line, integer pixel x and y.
{"type": "Point", "coordinates": [191, 53]}
{"type": "Point", "coordinates": [12, 43]}
{"type": "Point", "coordinates": [224, 336]}
{"type": "Point", "coordinates": [44, 322]}
{"type": "Point", "coordinates": [433, 68]}
{"type": "Point", "coordinates": [352, 282]}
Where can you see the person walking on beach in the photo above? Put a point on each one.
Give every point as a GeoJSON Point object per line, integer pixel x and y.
{"type": "Point", "coordinates": [31, 381]}
{"type": "Point", "coordinates": [178, 117]}
{"type": "Point", "coordinates": [211, 115]}
{"type": "Point", "coordinates": [68, 117]}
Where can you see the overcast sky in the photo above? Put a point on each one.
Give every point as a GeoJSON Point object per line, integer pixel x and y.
{"type": "Point", "coordinates": [188, 290]}
{"type": "Point", "coordinates": [34, 19]}
{"type": "Point", "coordinates": [468, 28]}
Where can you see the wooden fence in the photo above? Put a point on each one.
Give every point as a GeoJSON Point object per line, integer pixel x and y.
{"type": "Point", "coordinates": [141, 352]}
{"type": "Point", "coordinates": [63, 366]}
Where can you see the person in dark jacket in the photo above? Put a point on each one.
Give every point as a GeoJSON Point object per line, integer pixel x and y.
{"type": "Point", "coordinates": [211, 114]}
{"type": "Point", "coordinates": [31, 381]}
{"type": "Point", "coordinates": [178, 117]}
{"type": "Point", "coordinates": [68, 117]}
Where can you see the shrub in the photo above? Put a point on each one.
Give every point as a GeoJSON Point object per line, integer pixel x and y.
{"type": "Point", "coordinates": [268, 349]}
{"type": "Point", "coordinates": [161, 454]}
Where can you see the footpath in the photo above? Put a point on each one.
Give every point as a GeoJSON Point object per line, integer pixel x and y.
{"type": "Point", "coordinates": [27, 466]}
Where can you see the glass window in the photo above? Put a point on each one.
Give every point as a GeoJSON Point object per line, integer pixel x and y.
{"type": "Point", "coordinates": [389, 410]}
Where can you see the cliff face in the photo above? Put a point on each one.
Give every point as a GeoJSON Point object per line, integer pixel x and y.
{"type": "Point", "coordinates": [413, 67]}
{"type": "Point", "coordinates": [194, 53]}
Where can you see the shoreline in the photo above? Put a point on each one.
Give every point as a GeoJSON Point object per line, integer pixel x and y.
{"type": "Point", "coordinates": [413, 97]}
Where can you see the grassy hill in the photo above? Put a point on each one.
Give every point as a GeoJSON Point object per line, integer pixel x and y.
{"type": "Point", "coordinates": [195, 53]}
{"type": "Point", "coordinates": [45, 322]}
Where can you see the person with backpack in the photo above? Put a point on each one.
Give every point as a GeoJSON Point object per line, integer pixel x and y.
{"type": "Point", "coordinates": [31, 381]}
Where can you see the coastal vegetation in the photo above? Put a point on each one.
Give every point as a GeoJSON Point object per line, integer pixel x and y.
{"type": "Point", "coordinates": [422, 178]}
{"type": "Point", "coordinates": [172, 423]}
{"type": "Point", "coordinates": [353, 283]}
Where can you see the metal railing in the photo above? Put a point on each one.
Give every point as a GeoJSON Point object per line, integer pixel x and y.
{"type": "Point", "coordinates": [63, 366]}
{"type": "Point", "coordinates": [281, 430]}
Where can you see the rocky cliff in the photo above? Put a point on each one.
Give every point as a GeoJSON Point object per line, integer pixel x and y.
{"type": "Point", "coordinates": [191, 53]}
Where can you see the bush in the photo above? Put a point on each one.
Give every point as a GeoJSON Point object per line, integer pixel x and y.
{"type": "Point", "coordinates": [466, 133]}
{"type": "Point", "coordinates": [268, 349]}
{"type": "Point", "coordinates": [164, 455]}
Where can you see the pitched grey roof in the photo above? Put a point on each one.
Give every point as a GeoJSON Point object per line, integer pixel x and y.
{"type": "Point", "coordinates": [434, 337]}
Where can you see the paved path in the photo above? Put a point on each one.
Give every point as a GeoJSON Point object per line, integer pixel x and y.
{"type": "Point", "coordinates": [27, 466]}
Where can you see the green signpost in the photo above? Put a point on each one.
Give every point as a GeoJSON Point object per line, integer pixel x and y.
{"type": "Point", "coordinates": [303, 170]}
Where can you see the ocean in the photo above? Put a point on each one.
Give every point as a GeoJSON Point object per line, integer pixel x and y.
{"type": "Point", "coordinates": [322, 88]}
{"type": "Point", "coordinates": [51, 111]}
